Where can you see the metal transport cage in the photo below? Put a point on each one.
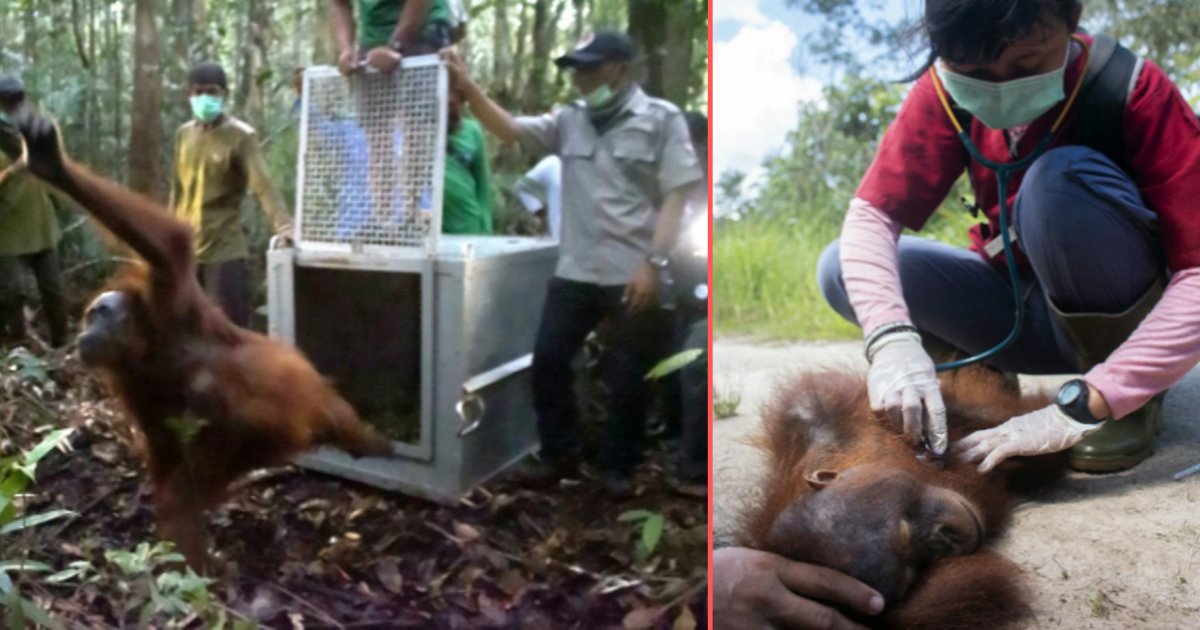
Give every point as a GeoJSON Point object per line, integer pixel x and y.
{"type": "Point", "coordinates": [429, 336]}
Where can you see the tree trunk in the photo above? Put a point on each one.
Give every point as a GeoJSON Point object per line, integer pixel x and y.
{"type": "Point", "coordinates": [647, 27]}
{"type": "Point", "coordinates": [502, 60]}
{"type": "Point", "coordinates": [145, 132]}
{"type": "Point", "coordinates": [543, 40]}
{"type": "Point", "coordinates": [115, 84]}
{"type": "Point", "coordinates": [325, 50]}
{"type": "Point", "coordinates": [30, 33]}
{"type": "Point", "coordinates": [682, 20]}
{"type": "Point", "coordinates": [517, 83]}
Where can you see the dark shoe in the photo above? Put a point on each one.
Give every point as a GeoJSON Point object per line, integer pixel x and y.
{"type": "Point", "coordinates": [618, 485]}
{"type": "Point", "coordinates": [1120, 444]}
{"type": "Point", "coordinates": [546, 471]}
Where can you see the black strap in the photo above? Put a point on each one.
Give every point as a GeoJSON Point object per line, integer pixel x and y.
{"type": "Point", "coordinates": [1100, 107]}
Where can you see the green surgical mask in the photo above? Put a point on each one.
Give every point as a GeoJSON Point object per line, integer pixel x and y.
{"type": "Point", "coordinates": [4, 117]}
{"type": "Point", "coordinates": [1010, 103]}
{"type": "Point", "coordinates": [206, 107]}
{"type": "Point", "coordinates": [599, 97]}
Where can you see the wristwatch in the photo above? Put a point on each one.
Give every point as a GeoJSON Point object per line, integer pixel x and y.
{"type": "Point", "coordinates": [659, 262]}
{"type": "Point", "coordinates": [1072, 399]}
{"type": "Point", "coordinates": [396, 45]}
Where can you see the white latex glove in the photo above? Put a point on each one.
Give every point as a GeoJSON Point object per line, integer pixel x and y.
{"type": "Point", "coordinates": [903, 383]}
{"type": "Point", "coordinates": [1046, 430]}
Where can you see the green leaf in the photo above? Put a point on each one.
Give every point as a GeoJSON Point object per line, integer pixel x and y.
{"type": "Point", "coordinates": [652, 532]}
{"type": "Point", "coordinates": [635, 515]}
{"type": "Point", "coordinates": [6, 585]}
{"type": "Point", "coordinates": [34, 521]}
{"type": "Point", "coordinates": [25, 565]}
{"type": "Point", "coordinates": [48, 443]}
{"type": "Point", "coordinates": [38, 616]}
{"type": "Point", "coordinates": [674, 362]}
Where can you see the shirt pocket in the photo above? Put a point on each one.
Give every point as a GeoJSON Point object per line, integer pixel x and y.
{"type": "Point", "coordinates": [578, 146]}
{"type": "Point", "coordinates": [634, 151]}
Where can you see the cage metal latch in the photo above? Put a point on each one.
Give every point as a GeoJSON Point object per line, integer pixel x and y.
{"type": "Point", "coordinates": [470, 406]}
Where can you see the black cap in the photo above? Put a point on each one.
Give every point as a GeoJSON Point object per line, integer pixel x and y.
{"type": "Point", "coordinates": [207, 73]}
{"type": "Point", "coordinates": [598, 47]}
{"type": "Point", "coordinates": [10, 85]}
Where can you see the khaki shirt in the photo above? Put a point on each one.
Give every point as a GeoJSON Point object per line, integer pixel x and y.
{"type": "Point", "coordinates": [213, 167]}
{"type": "Point", "coordinates": [28, 223]}
{"type": "Point", "coordinates": [613, 184]}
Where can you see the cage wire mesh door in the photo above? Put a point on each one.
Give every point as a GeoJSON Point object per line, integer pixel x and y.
{"type": "Point", "coordinates": [372, 159]}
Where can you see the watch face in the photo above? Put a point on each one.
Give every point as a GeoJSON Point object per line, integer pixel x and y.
{"type": "Point", "coordinates": [1069, 393]}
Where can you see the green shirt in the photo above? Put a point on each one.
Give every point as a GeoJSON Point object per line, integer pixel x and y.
{"type": "Point", "coordinates": [467, 194]}
{"type": "Point", "coordinates": [27, 220]}
{"type": "Point", "coordinates": [213, 168]}
{"type": "Point", "coordinates": [376, 20]}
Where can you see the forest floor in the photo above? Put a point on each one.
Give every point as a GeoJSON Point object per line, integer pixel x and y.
{"type": "Point", "coordinates": [1099, 551]}
{"type": "Point", "coordinates": [309, 551]}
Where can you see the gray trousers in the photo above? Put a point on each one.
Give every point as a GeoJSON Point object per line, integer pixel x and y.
{"type": "Point", "coordinates": [227, 283]}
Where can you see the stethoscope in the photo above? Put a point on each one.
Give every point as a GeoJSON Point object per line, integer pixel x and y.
{"type": "Point", "coordinates": [1003, 173]}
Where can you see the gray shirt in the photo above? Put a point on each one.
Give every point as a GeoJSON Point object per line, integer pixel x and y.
{"type": "Point", "coordinates": [613, 184]}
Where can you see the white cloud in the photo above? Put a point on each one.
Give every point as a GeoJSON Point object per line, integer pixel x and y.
{"type": "Point", "coordinates": [743, 11]}
{"type": "Point", "coordinates": [756, 92]}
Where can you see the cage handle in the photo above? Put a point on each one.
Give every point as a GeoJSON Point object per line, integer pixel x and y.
{"type": "Point", "coordinates": [470, 406]}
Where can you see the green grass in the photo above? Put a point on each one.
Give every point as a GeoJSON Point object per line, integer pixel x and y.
{"type": "Point", "coordinates": [765, 276]}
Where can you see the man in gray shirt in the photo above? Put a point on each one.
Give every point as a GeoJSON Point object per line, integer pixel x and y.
{"type": "Point", "coordinates": [627, 168]}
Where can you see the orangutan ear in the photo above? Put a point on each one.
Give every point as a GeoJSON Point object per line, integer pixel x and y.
{"type": "Point", "coordinates": [818, 479]}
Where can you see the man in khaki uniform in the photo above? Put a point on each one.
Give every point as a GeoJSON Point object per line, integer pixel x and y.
{"type": "Point", "coordinates": [217, 158]}
{"type": "Point", "coordinates": [29, 232]}
{"type": "Point", "coordinates": [627, 168]}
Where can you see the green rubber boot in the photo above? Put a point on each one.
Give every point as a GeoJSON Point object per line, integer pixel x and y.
{"type": "Point", "coordinates": [1124, 443]}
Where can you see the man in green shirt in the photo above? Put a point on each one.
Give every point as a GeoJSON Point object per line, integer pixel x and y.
{"type": "Point", "coordinates": [467, 194]}
{"type": "Point", "coordinates": [380, 32]}
{"type": "Point", "coordinates": [217, 158]}
{"type": "Point", "coordinates": [29, 232]}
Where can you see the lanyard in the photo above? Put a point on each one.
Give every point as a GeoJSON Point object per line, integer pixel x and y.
{"type": "Point", "coordinates": [1004, 173]}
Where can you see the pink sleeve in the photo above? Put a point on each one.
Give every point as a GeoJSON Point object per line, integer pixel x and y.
{"type": "Point", "coordinates": [1158, 353]}
{"type": "Point", "coordinates": [870, 267]}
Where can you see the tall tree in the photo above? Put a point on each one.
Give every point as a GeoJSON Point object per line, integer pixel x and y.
{"type": "Point", "coordinates": [145, 132]}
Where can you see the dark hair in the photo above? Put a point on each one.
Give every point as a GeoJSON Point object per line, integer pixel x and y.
{"type": "Point", "coordinates": [207, 73]}
{"type": "Point", "coordinates": [977, 31]}
{"type": "Point", "coordinates": [697, 126]}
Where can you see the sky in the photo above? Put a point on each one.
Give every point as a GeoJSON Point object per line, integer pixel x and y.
{"type": "Point", "coordinates": [757, 83]}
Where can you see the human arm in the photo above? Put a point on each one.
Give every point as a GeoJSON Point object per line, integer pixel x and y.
{"type": "Point", "coordinates": [341, 22]}
{"type": "Point", "coordinates": [755, 589]}
{"type": "Point", "coordinates": [263, 188]}
{"type": "Point", "coordinates": [490, 114]}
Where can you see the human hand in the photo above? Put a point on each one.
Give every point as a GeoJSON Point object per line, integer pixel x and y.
{"type": "Point", "coordinates": [44, 153]}
{"type": "Point", "coordinates": [640, 292]}
{"type": "Point", "coordinates": [903, 383]}
{"type": "Point", "coordinates": [383, 59]}
{"type": "Point", "coordinates": [455, 66]}
{"type": "Point", "coordinates": [348, 62]}
{"type": "Point", "coordinates": [755, 589]}
{"type": "Point", "coordinates": [1046, 430]}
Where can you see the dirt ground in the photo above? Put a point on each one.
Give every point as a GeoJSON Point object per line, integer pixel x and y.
{"type": "Point", "coordinates": [304, 550]}
{"type": "Point", "coordinates": [1111, 551]}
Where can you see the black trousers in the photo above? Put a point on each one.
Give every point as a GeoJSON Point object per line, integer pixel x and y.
{"type": "Point", "coordinates": [572, 310]}
{"type": "Point", "coordinates": [228, 284]}
{"type": "Point", "coordinates": [44, 265]}
{"type": "Point", "coordinates": [693, 393]}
